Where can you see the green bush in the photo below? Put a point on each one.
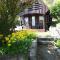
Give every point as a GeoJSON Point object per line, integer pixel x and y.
{"type": "Point", "coordinates": [57, 43]}
{"type": "Point", "coordinates": [17, 43]}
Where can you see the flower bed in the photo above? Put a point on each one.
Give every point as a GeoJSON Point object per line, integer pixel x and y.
{"type": "Point", "coordinates": [17, 43]}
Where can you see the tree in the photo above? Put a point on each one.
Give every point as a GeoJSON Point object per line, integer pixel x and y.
{"type": "Point", "coordinates": [9, 9]}
{"type": "Point", "coordinates": [55, 11]}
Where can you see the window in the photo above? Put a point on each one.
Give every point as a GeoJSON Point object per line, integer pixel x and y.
{"type": "Point", "coordinates": [26, 19]}
{"type": "Point", "coordinates": [26, 22]}
{"type": "Point", "coordinates": [41, 17]}
{"type": "Point", "coordinates": [33, 20]}
{"type": "Point", "coordinates": [41, 22]}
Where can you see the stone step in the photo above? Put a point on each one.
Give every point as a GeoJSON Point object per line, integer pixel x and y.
{"type": "Point", "coordinates": [44, 41]}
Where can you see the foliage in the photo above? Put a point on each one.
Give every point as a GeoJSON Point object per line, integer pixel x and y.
{"type": "Point", "coordinates": [8, 12]}
{"type": "Point", "coordinates": [57, 43]}
{"type": "Point", "coordinates": [55, 11]}
{"type": "Point", "coordinates": [1, 35]}
{"type": "Point", "coordinates": [9, 9]}
{"type": "Point", "coordinates": [18, 42]}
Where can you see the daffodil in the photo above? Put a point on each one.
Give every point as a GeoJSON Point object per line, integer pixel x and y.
{"type": "Point", "coordinates": [9, 44]}
{"type": "Point", "coordinates": [7, 38]}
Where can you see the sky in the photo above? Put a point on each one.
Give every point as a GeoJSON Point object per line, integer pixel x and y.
{"type": "Point", "coordinates": [51, 2]}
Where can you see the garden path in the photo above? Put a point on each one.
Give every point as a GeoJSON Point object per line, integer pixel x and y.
{"type": "Point", "coordinates": [45, 51]}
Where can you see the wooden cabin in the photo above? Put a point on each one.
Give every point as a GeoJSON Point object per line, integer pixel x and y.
{"type": "Point", "coordinates": [36, 17]}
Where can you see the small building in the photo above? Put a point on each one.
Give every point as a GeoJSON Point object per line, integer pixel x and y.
{"type": "Point", "coordinates": [37, 16]}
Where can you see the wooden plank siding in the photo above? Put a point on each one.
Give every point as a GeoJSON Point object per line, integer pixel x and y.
{"type": "Point", "coordinates": [38, 9]}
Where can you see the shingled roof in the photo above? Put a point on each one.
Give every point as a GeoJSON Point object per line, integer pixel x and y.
{"type": "Point", "coordinates": [37, 8]}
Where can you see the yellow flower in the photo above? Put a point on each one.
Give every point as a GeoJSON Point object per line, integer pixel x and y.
{"type": "Point", "coordinates": [13, 34]}
{"type": "Point", "coordinates": [9, 35]}
{"type": "Point", "coordinates": [7, 38]}
{"type": "Point", "coordinates": [9, 41]}
{"type": "Point", "coordinates": [9, 44]}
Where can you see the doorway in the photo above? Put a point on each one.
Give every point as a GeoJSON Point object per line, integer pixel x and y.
{"type": "Point", "coordinates": [41, 22]}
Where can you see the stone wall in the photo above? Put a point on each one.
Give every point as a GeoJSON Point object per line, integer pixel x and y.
{"type": "Point", "coordinates": [33, 51]}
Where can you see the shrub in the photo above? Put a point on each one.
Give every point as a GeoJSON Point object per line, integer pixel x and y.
{"type": "Point", "coordinates": [18, 42]}
{"type": "Point", "coordinates": [57, 43]}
